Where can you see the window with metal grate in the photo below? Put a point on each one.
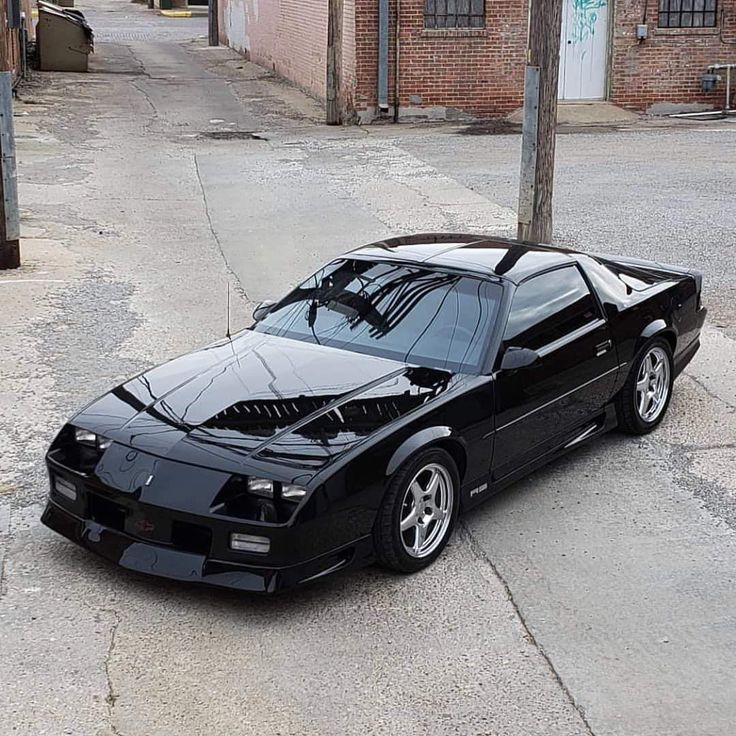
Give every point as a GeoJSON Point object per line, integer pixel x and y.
{"type": "Point", "coordinates": [454, 13]}
{"type": "Point", "coordinates": [687, 13]}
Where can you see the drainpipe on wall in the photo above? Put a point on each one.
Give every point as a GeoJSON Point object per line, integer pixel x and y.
{"type": "Point", "coordinates": [383, 55]}
{"type": "Point", "coordinates": [397, 46]}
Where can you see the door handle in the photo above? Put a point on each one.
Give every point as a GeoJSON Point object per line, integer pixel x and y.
{"type": "Point", "coordinates": [602, 348]}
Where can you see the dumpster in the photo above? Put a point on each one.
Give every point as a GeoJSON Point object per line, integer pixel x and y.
{"type": "Point", "coordinates": [63, 38]}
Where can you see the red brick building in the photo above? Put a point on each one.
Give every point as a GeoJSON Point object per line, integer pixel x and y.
{"type": "Point", "coordinates": [453, 59]}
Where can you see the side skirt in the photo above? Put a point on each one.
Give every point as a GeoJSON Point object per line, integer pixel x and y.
{"type": "Point", "coordinates": [604, 423]}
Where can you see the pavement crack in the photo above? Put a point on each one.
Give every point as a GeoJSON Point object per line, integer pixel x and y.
{"type": "Point", "coordinates": [3, 574]}
{"type": "Point", "coordinates": [708, 391]}
{"type": "Point", "coordinates": [714, 446]}
{"type": "Point", "coordinates": [234, 278]}
{"type": "Point", "coordinates": [147, 98]}
{"type": "Point", "coordinates": [138, 61]}
{"type": "Point", "coordinates": [482, 556]}
{"type": "Point", "coordinates": [5, 539]}
{"type": "Point", "coordinates": [111, 697]}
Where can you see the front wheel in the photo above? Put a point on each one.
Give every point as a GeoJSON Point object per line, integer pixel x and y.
{"type": "Point", "coordinates": [418, 512]}
{"type": "Point", "coordinates": [644, 399]}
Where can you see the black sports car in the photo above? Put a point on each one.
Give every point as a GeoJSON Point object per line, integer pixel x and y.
{"type": "Point", "coordinates": [401, 383]}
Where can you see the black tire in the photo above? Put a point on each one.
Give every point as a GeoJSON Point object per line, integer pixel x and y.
{"type": "Point", "coordinates": [630, 420]}
{"type": "Point", "coordinates": [388, 540]}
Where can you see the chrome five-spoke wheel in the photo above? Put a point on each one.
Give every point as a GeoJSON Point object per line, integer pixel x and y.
{"type": "Point", "coordinates": [653, 384]}
{"type": "Point", "coordinates": [426, 510]}
{"type": "Point", "coordinates": [418, 511]}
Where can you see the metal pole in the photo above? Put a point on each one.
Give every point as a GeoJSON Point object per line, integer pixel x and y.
{"type": "Point", "coordinates": [397, 65]}
{"type": "Point", "coordinates": [383, 55]}
{"type": "Point", "coordinates": [9, 217]}
{"type": "Point", "coordinates": [214, 23]}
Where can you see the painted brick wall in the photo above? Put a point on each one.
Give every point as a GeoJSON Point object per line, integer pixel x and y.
{"type": "Point", "coordinates": [667, 66]}
{"type": "Point", "coordinates": [445, 73]}
{"type": "Point", "coordinates": [285, 36]}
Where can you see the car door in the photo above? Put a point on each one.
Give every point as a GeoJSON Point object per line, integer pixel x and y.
{"type": "Point", "coordinates": [548, 403]}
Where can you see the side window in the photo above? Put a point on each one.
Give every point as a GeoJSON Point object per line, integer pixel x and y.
{"type": "Point", "coordinates": [548, 307]}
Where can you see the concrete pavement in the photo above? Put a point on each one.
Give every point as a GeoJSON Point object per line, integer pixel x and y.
{"type": "Point", "coordinates": [595, 597]}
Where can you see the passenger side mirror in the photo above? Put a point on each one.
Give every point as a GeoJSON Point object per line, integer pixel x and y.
{"type": "Point", "coordinates": [515, 358]}
{"type": "Point", "coordinates": [262, 309]}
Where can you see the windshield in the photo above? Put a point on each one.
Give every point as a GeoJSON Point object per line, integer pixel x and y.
{"type": "Point", "coordinates": [421, 316]}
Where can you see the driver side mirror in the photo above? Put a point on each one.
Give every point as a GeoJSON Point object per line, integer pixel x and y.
{"type": "Point", "coordinates": [515, 358]}
{"type": "Point", "coordinates": [262, 309]}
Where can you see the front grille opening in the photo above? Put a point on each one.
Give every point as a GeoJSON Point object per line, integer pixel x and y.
{"type": "Point", "coordinates": [234, 500]}
{"type": "Point", "coordinates": [191, 537]}
{"type": "Point", "coordinates": [106, 512]}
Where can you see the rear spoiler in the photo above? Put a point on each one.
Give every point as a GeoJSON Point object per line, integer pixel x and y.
{"type": "Point", "coordinates": [664, 268]}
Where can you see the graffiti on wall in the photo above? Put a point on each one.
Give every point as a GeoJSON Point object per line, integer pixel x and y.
{"type": "Point", "coordinates": [585, 16]}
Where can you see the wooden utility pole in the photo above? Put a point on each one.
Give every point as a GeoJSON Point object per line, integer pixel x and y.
{"type": "Point", "coordinates": [334, 62]}
{"type": "Point", "coordinates": [540, 121]}
{"type": "Point", "coordinates": [9, 215]}
{"type": "Point", "coordinates": [213, 23]}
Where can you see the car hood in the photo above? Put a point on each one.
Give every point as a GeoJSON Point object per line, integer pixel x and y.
{"type": "Point", "coordinates": [261, 398]}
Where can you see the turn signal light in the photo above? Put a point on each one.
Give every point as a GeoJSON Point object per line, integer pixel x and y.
{"type": "Point", "coordinates": [66, 489]}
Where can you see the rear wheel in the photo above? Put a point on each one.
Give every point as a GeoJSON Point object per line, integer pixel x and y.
{"type": "Point", "coordinates": [644, 399]}
{"type": "Point", "coordinates": [418, 512]}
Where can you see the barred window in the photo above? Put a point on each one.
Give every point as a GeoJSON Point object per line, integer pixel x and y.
{"type": "Point", "coordinates": [454, 13]}
{"type": "Point", "coordinates": [687, 13]}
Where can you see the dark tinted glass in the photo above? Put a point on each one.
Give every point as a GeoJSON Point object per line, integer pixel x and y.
{"type": "Point", "coordinates": [549, 307]}
{"type": "Point", "coordinates": [454, 13]}
{"type": "Point", "coordinates": [420, 316]}
{"type": "Point", "coordinates": [687, 13]}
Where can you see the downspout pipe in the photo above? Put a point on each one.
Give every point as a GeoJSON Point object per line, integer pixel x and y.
{"type": "Point", "coordinates": [383, 10]}
{"type": "Point", "coordinates": [397, 56]}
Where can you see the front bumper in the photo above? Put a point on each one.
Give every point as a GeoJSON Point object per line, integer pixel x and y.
{"type": "Point", "coordinates": [176, 564]}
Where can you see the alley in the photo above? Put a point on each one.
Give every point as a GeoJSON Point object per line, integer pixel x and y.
{"type": "Point", "coordinates": [596, 597]}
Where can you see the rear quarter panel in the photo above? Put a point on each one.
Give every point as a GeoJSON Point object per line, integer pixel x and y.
{"type": "Point", "coordinates": [669, 304]}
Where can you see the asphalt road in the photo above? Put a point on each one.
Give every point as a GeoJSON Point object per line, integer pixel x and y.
{"type": "Point", "coordinates": [595, 597]}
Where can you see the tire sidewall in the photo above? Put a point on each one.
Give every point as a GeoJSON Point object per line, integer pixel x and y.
{"type": "Point", "coordinates": [406, 473]}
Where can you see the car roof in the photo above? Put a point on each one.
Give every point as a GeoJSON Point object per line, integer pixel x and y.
{"type": "Point", "coordinates": [487, 255]}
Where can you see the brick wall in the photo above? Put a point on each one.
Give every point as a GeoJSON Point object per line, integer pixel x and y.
{"type": "Point", "coordinates": [285, 36]}
{"type": "Point", "coordinates": [444, 74]}
{"type": "Point", "coordinates": [10, 57]}
{"type": "Point", "coordinates": [667, 66]}
{"type": "Point", "coordinates": [450, 74]}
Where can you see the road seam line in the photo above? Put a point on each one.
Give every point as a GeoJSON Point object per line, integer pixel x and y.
{"type": "Point", "coordinates": [480, 554]}
{"type": "Point", "coordinates": [238, 286]}
{"type": "Point", "coordinates": [111, 697]}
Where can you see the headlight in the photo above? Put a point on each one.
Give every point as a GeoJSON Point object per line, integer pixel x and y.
{"type": "Point", "coordinates": [270, 489]}
{"type": "Point", "coordinates": [90, 439]}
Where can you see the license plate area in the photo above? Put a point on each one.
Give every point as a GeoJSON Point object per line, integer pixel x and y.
{"type": "Point", "coordinates": [143, 524]}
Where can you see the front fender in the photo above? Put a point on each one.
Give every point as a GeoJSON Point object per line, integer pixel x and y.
{"type": "Point", "coordinates": [416, 442]}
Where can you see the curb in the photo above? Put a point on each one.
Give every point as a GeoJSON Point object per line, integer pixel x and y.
{"type": "Point", "coordinates": [182, 13]}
